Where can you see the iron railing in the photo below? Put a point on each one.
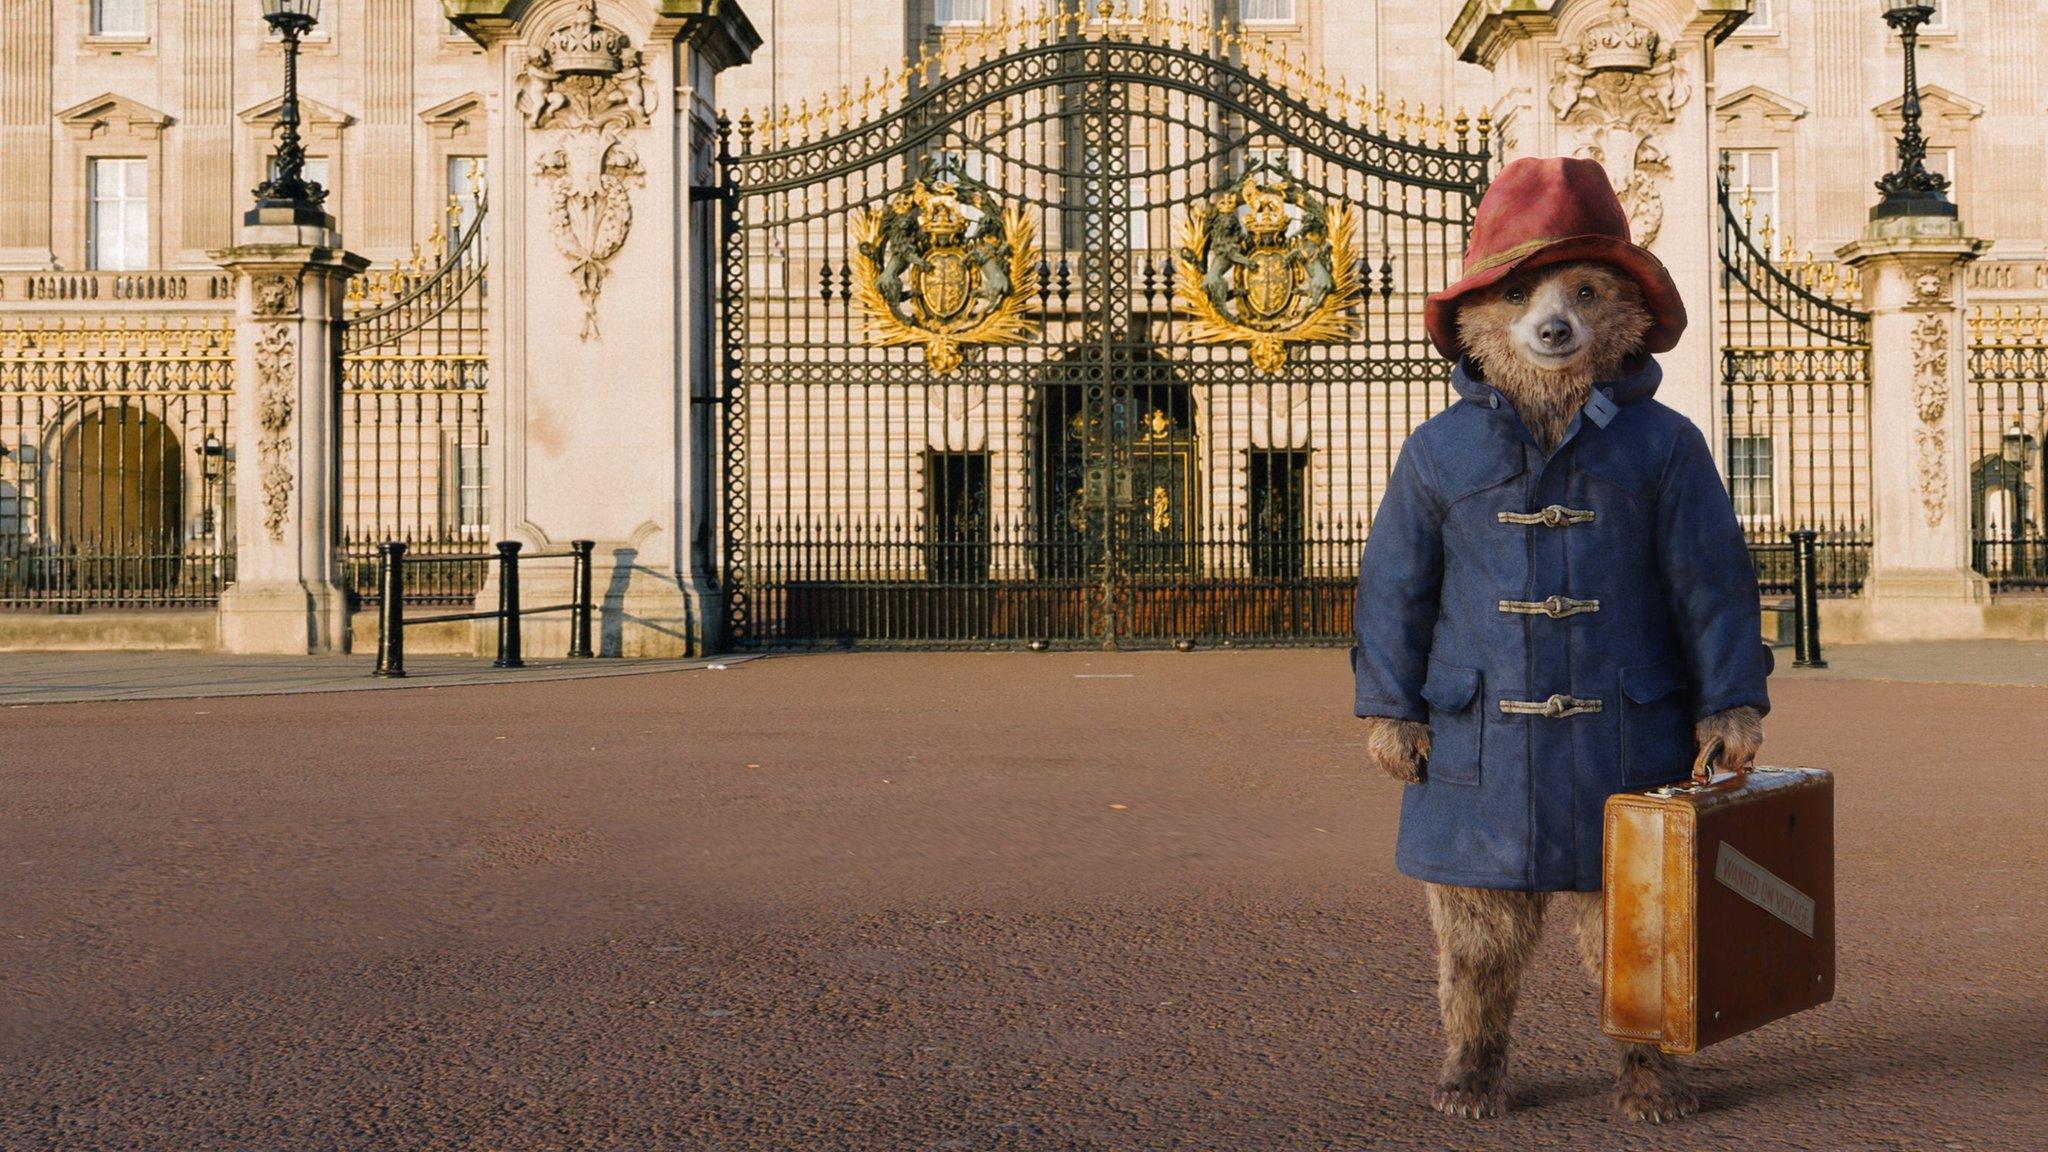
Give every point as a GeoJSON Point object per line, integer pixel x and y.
{"type": "Point", "coordinates": [415, 459]}
{"type": "Point", "coordinates": [1107, 477]}
{"type": "Point", "coordinates": [392, 562]}
{"type": "Point", "coordinates": [1795, 404]}
{"type": "Point", "coordinates": [116, 463]}
{"type": "Point", "coordinates": [2008, 423]}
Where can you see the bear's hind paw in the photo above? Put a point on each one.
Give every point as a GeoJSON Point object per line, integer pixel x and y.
{"type": "Point", "coordinates": [1653, 1090]}
{"type": "Point", "coordinates": [1473, 1093]}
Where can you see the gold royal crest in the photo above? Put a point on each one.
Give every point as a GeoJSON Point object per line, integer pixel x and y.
{"type": "Point", "coordinates": [941, 264]}
{"type": "Point", "coordinates": [1267, 265]}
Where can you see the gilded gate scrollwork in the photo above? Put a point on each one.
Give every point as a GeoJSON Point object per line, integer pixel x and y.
{"type": "Point", "coordinates": [943, 265]}
{"type": "Point", "coordinates": [1267, 264]}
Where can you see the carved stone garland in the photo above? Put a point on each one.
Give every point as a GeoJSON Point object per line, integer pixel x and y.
{"type": "Point", "coordinates": [275, 303]}
{"type": "Point", "coordinates": [1624, 87]}
{"type": "Point", "coordinates": [588, 85]}
{"type": "Point", "coordinates": [1930, 402]}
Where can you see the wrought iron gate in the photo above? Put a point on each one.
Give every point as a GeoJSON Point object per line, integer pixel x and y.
{"type": "Point", "coordinates": [1085, 331]}
{"type": "Point", "coordinates": [1795, 374]}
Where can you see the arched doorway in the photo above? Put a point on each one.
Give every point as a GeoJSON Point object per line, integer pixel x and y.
{"type": "Point", "coordinates": [120, 501]}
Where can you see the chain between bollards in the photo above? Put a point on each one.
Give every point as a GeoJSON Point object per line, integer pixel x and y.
{"type": "Point", "coordinates": [1805, 602]}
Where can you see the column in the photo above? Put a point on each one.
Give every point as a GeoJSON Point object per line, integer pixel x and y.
{"type": "Point", "coordinates": [1629, 84]}
{"type": "Point", "coordinates": [602, 129]}
{"type": "Point", "coordinates": [1920, 585]}
{"type": "Point", "coordinates": [290, 278]}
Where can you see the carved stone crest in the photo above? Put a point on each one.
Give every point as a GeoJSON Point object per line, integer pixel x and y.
{"type": "Point", "coordinates": [1930, 403]}
{"type": "Point", "coordinates": [944, 265]}
{"type": "Point", "coordinates": [1267, 264]}
{"type": "Point", "coordinates": [588, 84]}
{"type": "Point", "coordinates": [1622, 85]}
{"type": "Point", "coordinates": [274, 295]}
{"type": "Point", "coordinates": [277, 387]}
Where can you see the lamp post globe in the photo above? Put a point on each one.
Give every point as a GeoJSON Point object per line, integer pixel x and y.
{"type": "Point", "coordinates": [286, 196]}
{"type": "Point", "coordinates": [1910, 189]}
{"type": "Point", "coordinates": [302, 14]}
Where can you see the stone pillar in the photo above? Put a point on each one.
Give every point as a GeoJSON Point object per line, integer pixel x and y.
{"type": "Point", "coordinates": [1920, 586]}
{"type": "Point", "coordinates": [1629, 83]}
{"type": "Point", "coordinates": [290, 277]}
{"type": "Point", "coordinates": [602, 125]}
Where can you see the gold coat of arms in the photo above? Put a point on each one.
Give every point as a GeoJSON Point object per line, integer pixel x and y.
{"type": "Point", "coordinates": [942, 264]}
{"type": "Point", "coordinates": [1266, 264]}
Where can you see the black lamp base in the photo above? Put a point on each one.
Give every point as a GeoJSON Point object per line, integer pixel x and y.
{"type": "Point", "coordinates": [1913, 202]}
{"type": "Point", "coordinates": [297, 212]}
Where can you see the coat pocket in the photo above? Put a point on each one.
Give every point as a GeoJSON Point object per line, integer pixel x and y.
{"type": "Point", "coordinates": [1656, 723]}
{"type": "Point", "coordinates": [1454, 723]}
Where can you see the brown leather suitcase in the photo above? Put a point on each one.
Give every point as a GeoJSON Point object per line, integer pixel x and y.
{"type": "Point", "coordinates": [1720, 905]}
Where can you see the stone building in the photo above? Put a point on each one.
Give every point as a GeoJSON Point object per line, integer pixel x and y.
{"type": "Point", "coordinates": [860, 491]}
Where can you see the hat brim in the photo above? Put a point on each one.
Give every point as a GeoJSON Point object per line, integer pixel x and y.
{"type": "Point", "coordinates": [1660, 294]}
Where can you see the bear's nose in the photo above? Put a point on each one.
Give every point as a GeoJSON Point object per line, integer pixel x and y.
{"type": "Point", "coordinates": [1554, 333]}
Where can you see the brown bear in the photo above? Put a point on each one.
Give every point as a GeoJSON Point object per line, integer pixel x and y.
{"type": "Point", "coordinates": [1580, 478]}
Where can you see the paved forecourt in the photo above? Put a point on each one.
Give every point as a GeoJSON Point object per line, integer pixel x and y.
{"type": "Point", "coordinates": [979, 901]}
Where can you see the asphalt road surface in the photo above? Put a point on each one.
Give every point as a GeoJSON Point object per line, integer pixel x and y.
{"type": "Point", "coordinates": [996, 901]}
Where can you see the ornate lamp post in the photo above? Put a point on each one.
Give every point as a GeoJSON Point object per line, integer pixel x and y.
{"type": "Point", "coordinates": [1911, 190]}
{"type": "Point", "coordinates": [287, 188]}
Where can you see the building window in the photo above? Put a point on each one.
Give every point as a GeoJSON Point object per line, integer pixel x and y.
{"type": "Point", "coordinates": [466, 176]}
{"type": "Point", "coordinates": [119, 225]}
{"type": "Point", "coordinates": [1267, 11]}
{"type": "Point", "coordinates": [1277, 484]}
{"type": "Point", "coordinates": [122, 19]}
{"type": "Point", "coordinates": [1763, 19]}
{"type": "Point", "coordinates": [1939, 21]}
{"type": "Point", "coordinates": [959, 11]}
{"type": "Point", "coordinates": [1942, 162]}
{"type": "Point", "coordinates": [956, 517]}
{"type": "Point", "coordinates": [465, 485]}
{"type": "Point", "coordinates": [315, 170]}
{"type": "Point", "coordinates": [1750, 480]}
{"type": "Point", "coordinates": [1753, 173]}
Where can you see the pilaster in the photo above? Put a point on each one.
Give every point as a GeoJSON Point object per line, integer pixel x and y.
{"type": "Point", "coordinates": [26, 132]}
{"type": "Point", "coordinates": [1630, 85]}
{"type": "Point", "coordinates": [290, 280]}
{"type": "Point", "coordinates": [1920, 585]}
{"type": "Point", "coordinates": [602, 127]}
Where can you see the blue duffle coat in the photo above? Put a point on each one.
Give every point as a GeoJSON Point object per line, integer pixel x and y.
{"type": "Point", "coordinates": [1561, 622]}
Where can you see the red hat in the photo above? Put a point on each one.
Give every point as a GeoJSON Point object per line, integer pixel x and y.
{"type": "Point", "coordinates": [1547, 211]}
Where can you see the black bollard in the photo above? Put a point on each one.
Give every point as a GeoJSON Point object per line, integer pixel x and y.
{"type": "Point", "coordinates": [391, 610]}
{"type": "Point", "coordinates": [508, 606]}
{"type": "Point", "coordinates": [579, 610]}
{"type": "Point", "coordinates": [1805, 602]}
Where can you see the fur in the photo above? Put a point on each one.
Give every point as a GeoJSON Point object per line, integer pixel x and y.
{"type": "Point", "coordinates": [1543, 338]}
{"type": "Point", "coordinates": [1741, 733]}
{"type": "Point", "coordinates": [1485, 938]}
{"type": "Point", "coordinates": [1501, 327]}
{"type": "Point", "coordinates": [1397, 747]}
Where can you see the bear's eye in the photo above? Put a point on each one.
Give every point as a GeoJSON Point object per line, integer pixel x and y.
{"type": "Point", "coordinates": [1517, 296]}
{"type": "Point", "coordinates": [1586, 292]}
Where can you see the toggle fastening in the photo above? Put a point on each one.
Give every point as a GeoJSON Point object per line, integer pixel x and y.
{"type": "Point", "coordinates": [1555, 607]}
{"type": "Point", "coordinates": [1556, 708]}
{"type": "Point", "coordinates": [1554, 516]}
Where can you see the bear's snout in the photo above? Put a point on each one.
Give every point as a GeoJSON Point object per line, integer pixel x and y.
{"type": "Point", "coordinates": [1555, 333]}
